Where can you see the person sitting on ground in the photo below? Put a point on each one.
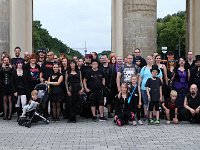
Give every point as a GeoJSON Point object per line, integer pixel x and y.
{"type": "Point", "coordinates": [32, 104]}
{"type": "Point", "coordinates": [123, 112]}
{"type": "Point", "coordinates": [170, 108]}
{"type": "Point", "coordinates": [192, 105]}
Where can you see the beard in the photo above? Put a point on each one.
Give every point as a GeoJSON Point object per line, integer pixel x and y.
{"type": "Point", "coordinates": [193, 93]}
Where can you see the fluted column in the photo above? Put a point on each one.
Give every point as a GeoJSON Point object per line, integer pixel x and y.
{"type": "Point", "coordinates": [4, 25]}
{"type": "Point", "coordinates": [140, 27]}
{"type": "Point", "coordinates": [21, 18]}
{"type": "Point", "coordinates": [193, 23]}
{"type": "Point", "coordinates": [117, 27]}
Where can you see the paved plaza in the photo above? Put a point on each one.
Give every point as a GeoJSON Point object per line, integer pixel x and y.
{"type": "Point", "coordinates": [86, 134]}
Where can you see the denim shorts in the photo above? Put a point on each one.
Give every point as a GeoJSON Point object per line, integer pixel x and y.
{"type": "Point", "coordinates": [144, 97]}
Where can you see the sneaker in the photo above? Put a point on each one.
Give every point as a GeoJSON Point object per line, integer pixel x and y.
{"type": "Point", "coordinates": [140, 122]}
{"type": "Point", "coordinates": [94, 118]}
{"type": "Point", "coordinates": [157, 122]}
{"type": "Point", "coordinates": [167, 122]}
{"type": "Point", "coordinates": [134, 123]}
{"type": "Point", "coordinates": [151, 122]}
{"type": "Point", "coordinates": [57, 120]}
{"type": "Point", "coordinates": [102, 119]}
{"type": "Point", "coordinates": [118, 122]}
{"type": "Point", "coordinates": [22, 116]}
{"type": "Point", "coordinates": [110, 115]}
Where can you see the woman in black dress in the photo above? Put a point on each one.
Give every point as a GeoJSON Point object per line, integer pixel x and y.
{"type": "Point", "coordinates": [6, 71]}
{"type": "Point", "coordinates": [74, 88]}
{"type": "Point", "coordinates": [64, 67]}
{"type": "Point", "coordinates": [19, 87]}
{"type": "Point", "coordinates": [55, 81]}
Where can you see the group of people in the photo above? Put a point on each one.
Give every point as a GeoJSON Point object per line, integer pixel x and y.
{"type": "Point", "coordinates": [131, 88]}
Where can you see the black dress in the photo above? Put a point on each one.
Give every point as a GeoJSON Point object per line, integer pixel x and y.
{"type": "Point", "coordinates": [56, 93]}
{"type": "Point", "coordinates": [74, 87]}
{"type": "Point", "coordinates": [19, 83]}
{"type": "Point", "coordinates": [6, 78]}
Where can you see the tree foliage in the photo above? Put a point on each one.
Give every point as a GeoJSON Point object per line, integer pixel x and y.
{"type": "Point", "coordinates": [170, 30]}
{"type": "Point", "coordinates": [42, 39]}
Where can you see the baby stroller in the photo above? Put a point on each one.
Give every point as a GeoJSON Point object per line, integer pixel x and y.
{"type": "Point", "coordinates": [36, 115]}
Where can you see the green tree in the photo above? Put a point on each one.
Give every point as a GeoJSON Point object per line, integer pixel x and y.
{"type": "Point", "coordinates": [42, 39]}
{"type": "Point", "coordinates": [170, 30]}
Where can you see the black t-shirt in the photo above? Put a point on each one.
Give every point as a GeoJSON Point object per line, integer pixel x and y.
{"type": "Point", "coordinates": [47, 69]}
{"type": "Point", "coordinates": [15, 59]}
{"type": "Point", "coordinates": [33, 74]}
{"type": "Point", "coordinates": [154, 86]}
{"type": "Point", "coordinates": [94, 79]}
{"type": "Point", "coordinates": [193, 102]}
{"type": "Point", "coordinates": [84, 69]}
{"type": "Point", "coordinates": [106, 71]}
{"type": "Point", "coordinates": [169, 104]}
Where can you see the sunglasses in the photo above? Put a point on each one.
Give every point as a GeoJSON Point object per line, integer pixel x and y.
{"type": "Point", "coordinates": [171, 61]}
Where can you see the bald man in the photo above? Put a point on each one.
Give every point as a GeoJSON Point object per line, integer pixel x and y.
{"type": "Point", "coordinates": [192, 105]}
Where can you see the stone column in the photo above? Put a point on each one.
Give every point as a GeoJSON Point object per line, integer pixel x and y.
{"type": "Point", "coordinates": [193, 30]}
{"type": "Point", "coordinates": [117, 27]}
{"type": "Point", "coordinates": [21, 17]}
{"type": "Point", "coordinates": [140, 27]}
{"type": "Point", "coordinates": [4, 26]}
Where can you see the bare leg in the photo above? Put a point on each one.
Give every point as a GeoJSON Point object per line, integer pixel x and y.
{"type": "Point", "coordinates": [93, 109]}
{"type": "Point", "coordinates": [168, 116]}
{"type": "Point", "coordinates": [101, 110]}
{"type": "Point", "coordinates": [157, 115]}
{"type": "Point", "coordinates": [145, 110]}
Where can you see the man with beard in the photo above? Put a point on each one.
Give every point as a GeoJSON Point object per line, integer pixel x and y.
{"type": "Point", "coordinates": [46, 72]}
{"type": "Point", "coordinates": [192, 105]}
{"type": "Point", "coordinates": [125, 72]}
{"type": "Point", "coordinates": [195, 72]}
{"type": "Point", "coordinates": [17, 57]}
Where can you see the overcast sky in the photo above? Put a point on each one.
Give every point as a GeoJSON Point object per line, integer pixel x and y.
{"type": "Point", "coordinates": [77, 21]}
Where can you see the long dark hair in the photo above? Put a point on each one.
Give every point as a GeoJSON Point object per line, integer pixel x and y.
{"type": "Point", "coordinates": [70, 69]}
{"type": "Point", "coordinates": [177, 66]}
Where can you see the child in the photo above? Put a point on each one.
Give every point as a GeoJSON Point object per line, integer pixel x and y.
{"type": "Point", "coordinates": [154, 93]}
{"type": "Point", "coordinates": [170, 108]}
{"type": "Point", "coordinates": [135, 99]}
{"type": "Point", "coordinates": [32, 103]}
{"type": "Point", "coordinates": [122, 108]}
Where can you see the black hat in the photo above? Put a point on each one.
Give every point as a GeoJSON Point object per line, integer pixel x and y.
{"type": "Point", "coordinates": [138, 58]}
{"type": "Point", "coordinates": [155, 67]}
{"type": "Point", "coordinates": [197, 58]}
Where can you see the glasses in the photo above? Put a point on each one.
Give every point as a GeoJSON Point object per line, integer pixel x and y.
{"type": "Point", "coordinates": [171, 61]}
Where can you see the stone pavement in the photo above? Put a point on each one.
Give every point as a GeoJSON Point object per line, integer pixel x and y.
{"type": "Point", "coordinates": [86, 134]}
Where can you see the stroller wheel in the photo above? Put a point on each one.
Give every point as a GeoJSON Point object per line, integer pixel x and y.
{"type": "Point", "coordinates": [20, 122]}
{"type": "Point", "coordinates": [28, 124]}
{"type": "Point", "coordinates": [47, 121]}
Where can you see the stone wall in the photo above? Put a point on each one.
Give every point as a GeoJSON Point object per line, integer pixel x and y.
{"type": "Point", "coordinates": [139, 26]}
{"type": "Point", "coordinates": [4, 25]}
